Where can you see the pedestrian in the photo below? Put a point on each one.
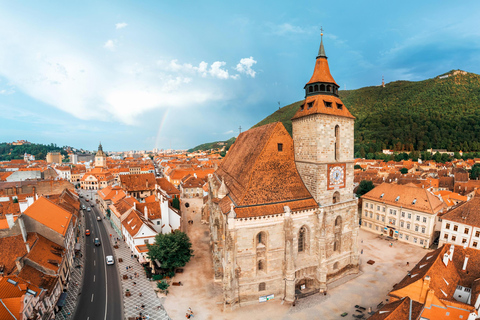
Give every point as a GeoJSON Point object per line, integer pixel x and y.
{"type": "Point", "coordinates": [126, 268]}
{"type": "Point", "coordinates": [408, 263]}
{"type": "Point", "coordinates": [131, 277]}
{"type": "Point", "coordinates": [362, 251]}
{"type": "Point", "coordinates": [134, 283]}
{"type": "Point", "coordinates": [136, 307]}
{"type": "Point", "coordinates": [143, 306]}
{"type": "Point", "coordinates": [187, 315]}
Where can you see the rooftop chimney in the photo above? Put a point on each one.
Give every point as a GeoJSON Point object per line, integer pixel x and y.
{"type": "Point", "coordinates": [145, 212]}
{"type": "Point", "coordinates": [465, 262]}
{"type": "Point", "coordinates": [445, 259]}
{"type": "Point", "coordinates": [452, 247]}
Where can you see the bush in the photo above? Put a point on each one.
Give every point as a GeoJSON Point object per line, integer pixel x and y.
{"type": "Point", "coordinates": [163, 285]}
{"type": "Point", "coordinates": [157, 277]}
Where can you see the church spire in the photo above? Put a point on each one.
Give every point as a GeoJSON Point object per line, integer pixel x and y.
{"type": "Point", "coordinates": [321, 50]}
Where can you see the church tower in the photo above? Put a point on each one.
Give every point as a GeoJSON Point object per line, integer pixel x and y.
{"type": "Point", "coordinates": [100, 158]}
{"type": "Point", "coordinates": [323, 138]}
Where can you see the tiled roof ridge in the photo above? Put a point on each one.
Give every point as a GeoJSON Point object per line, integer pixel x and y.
{"type": "Point", "coordinates": [272, 130]}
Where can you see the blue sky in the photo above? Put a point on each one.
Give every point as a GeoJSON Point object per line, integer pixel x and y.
{"type": "Point", "coordinates": [138, 75]}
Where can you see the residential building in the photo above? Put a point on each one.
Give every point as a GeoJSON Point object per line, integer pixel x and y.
{"type": "Point", "coordinates": [403, 212]}
{"type": "Point", "coordinates": [139, 186]}
{"type": "Point", "coordinates": [461, 225]}
{"type": "Point", "coordinates": [54, 157]}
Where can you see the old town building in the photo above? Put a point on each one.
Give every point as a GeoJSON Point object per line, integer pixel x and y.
{"type": "Point", "coordinates": [403, 212]}
{"type": "Point", "coordinates": [283, 216]}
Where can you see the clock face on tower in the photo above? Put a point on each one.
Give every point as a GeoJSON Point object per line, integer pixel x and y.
{"type": "Point", "coordinates": [336, 176]}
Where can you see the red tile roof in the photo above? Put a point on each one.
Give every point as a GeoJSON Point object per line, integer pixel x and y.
{"type": "Point", "coordinates": [49, 214]}
{"type": "Point", "coordinates": [319, 107]}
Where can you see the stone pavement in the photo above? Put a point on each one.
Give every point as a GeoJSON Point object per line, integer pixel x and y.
{"type": "Point", "coordinates": [153, 306]}
{"type": "Point", "coordinates": [76, 276]}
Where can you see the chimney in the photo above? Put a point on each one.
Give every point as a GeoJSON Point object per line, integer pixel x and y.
{"type": "Point", "coordinates": [425, 287]}
{"type": "Point", "coordinates": [452, 247]}
{"type": "Point", "coordinates": [429, 298]}
{"type": "Point", "coordinates": [445, 259]}
{"type": "Point", "coordinates": [134, 206]}
{"type": "Point", "coordinates": [145, 212]}
{"type": "Point", "coordinates": [465, 262]}
{"type": "Point", "coordinates": [19, 264]}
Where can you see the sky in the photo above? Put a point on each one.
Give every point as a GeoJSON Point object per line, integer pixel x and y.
{"type": "Point", "coordinates": [139, 75]}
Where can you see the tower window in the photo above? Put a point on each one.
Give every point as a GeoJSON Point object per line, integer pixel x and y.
{"type": "Point", "coordinates": [322, 87]}
{"type": "Point", "coordinates": [315, 88]}
{"type": "Point", "coordinates": [280, 146]}
{"type": "Point", "coordinates": [261, 265]}
{"type": "Point", "coordinates": [339, 106]}
{"type": "Point", "coordinates": [261, 286]}
{"type": "Point", "coordinates": [310, 89]}
{"type": "Point", "coordinates": [302, 239]}
{"type": "Point", "coordinates": [328, 104]}
{"type": "Point", "coordinates": [310, 105]}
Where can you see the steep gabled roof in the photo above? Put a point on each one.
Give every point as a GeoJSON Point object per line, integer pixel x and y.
{"type": "Point", "coordinates": [401, 309]}
{"type": "Point", "coordinates": [256, 173]}
{"type": "Point", "coordinates": [49, 214]}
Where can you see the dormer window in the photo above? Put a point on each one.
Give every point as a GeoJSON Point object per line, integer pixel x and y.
{"type": "Point", "coordinates": [381, 196]}
{"type": "Point", "coordinates": [310, 105]}
{"type": "Point", "coordinates": [339, 106]}
{"type": "Point", "coordinates": [414, 201]}
{"type": "Point", "coordinates": [328, 104]}
{"type": "Point", "coordinates": [280, 147]}
{"type": "Point", "coordinates": [397, 198]}
{"type": "Point", "coordinates": [302, 107]}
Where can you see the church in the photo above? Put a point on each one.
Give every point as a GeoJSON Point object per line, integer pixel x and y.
{"type": "Point", "coordinates": [282, 212]}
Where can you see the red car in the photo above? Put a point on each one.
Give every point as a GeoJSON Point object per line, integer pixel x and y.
{"type": "Point", "coordinates": [86, 200]}
{"type": "Point", "coordinates": [87, 232]}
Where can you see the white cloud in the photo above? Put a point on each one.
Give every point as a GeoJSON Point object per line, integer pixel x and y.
{"type": "Point", "coordinates": [7, 91]}
{"type": "Point", "coordinates": [110, 44]}
{"type": "Point", "coordinates": [286, 29]}
{"type": "Point", "coordinates": [245, 66]}
{"type": "Point", "coordinates": [217, 71]}
{"type": "Point", "coordinates": [228, 132]}
{"type": "Point", "coordinates": [121, 25]}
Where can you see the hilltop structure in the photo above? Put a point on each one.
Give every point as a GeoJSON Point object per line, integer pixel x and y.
{"type": "Point", "coordinates": [282, 213]}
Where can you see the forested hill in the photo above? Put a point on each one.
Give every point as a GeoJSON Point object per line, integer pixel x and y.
{"type": "Point", "coordinates": [10, 152]}
{"type": "Point", "coordinates": [439, 113]}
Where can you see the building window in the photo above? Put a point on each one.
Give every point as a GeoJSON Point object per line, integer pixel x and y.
{"type": "Point", "coordinates": [415, 240]}
{"type": "Point", "coordinates": [424, 219]}
{"type": "Point", "coordinates": [408, 225]}
{"type": "Point", "coordinates": [302, 107]}
{"type": "Point", "coordinates": [402, 224]}
{"type": "Point", "coordinates": [418, 218]}
{"type": "Point", "coordinates": [406, 237]}
{"type": "Point", "coordinates": [455, 228]}
{"type": "Point", "coordinates": [423, 229]}
{"type": "Point", "coordinates": [383, 219]}
{"type": "Point", "coordinates": [445, 236]}
{"type": "Point", "coordinates": [477, 234]}
{"type": "Point", "coordinates": [378, 217]}
{"type": "Point", "coordinates": [475, 244]}
{"type": "Point", "coordinates": [447, 226]}
{"type": "Point", "coordinates": [261, 286]}
{"type": "Point", "coordinates": [378, 208]}
{"type": "Point", "coordinates": [383, 209]}
{"type": "Point", "coordinates": [391, 211]}
{"type": "Point", "coordinates": [464, 240]}
{"type": "Point", "coordinates": [340, 106]}
{"type": "Point", "coordinates": [335, 266]}
{"type": "Point", "coordinates": [261, 238]}
{"type": "Point", "coordinates": [310, 104]}
{"type": "Point", "coordinates": [409, 216]}
{"type": "Point", "coordinates": [416, 228]}
{"type": "Point", "coordinates": [336, 197]}
{"type": "Point", "coordinates": [403, 214]}
{"type": "Point", "coordinates": [421, 241]}
{"type": "Point", "coordinates": [371, 215]}
{"type": "Point", "coordinates": [376, 228]}
{"type": "Point", "coordinates": [301, 239]}
{"type": "Point", "coordinates": [366, 214]}
{"type": "Point", "coordinates": [454, 238]}
{"type": "Point", "coordinates": [370, 225]}
{"type": "Point", "coordinates": [261, 265]}
{"type": "Point", "coordinates": [327, 104]}
{"type": "Point", "coordinates": [466, 230]}
{"type": "Point", "coordinates": [280, 146]}
{"type": "Point", "coordinates": [366, 205]}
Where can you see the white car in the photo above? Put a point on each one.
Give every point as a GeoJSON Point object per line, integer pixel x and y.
{"type": "Point", "coordinates": [109, 260]}
{"type": "Point", "coordinates": [88, 209]}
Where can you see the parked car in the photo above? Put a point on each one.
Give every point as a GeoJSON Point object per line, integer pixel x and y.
{"type": "Point", "coordinates": [109, 260]}
{"type": "Point", "coordinates": [87, 232]}
{"type": "Point", "coordinates": [96, 242]}
{"type": "Point", "coordinates": [86, 199]}
{"type": "Point", "coordinates": [80, 195]}
{"type": "Point", "coordinates": [88, 209]}
{"type": "Point", "coordinates": [92, 204]}
{"type": "Point", "coordinates": [83, 207]}
{"type": "Point", "coordinates": [98, 218]}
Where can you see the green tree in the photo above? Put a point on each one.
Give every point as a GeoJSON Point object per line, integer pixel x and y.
{"type": "Point", "coordinates": [357, 166]}
{"type": "Point", "coordinates": [364, 187]}
{"type": "Point", "coordinates": [172, 250]}
{"type": "Point", "coordinates": [176, 203]}
{"type": "Point", "coordinates": [404, 171]}
{"type": "Point", "coordinates": [475, 172]}
{"type": "Point", "coordinates": [163, 285]}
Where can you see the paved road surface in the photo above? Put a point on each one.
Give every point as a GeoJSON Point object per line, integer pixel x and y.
{"type": "Point", "coordinates": [100, 296]}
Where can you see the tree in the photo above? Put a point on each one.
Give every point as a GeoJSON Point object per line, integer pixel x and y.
{"type": "Point", "coordinates": [163, 285]}
{"type": "Point", "coordinates": [404, 171]}
{"type": "Point", "coordinates": [176, 203]}
{"type": "Point", "coordinates": [364, 187]}
{"type": "Point", "coordinates": [357, 166]}
{"type": "Point", "coordinates": [475, 172]}
{"type": "Point", "coordinates": [172, 250]}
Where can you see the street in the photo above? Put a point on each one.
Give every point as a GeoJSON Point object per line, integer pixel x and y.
{"type": "Point", "coordinates": [100, 295]}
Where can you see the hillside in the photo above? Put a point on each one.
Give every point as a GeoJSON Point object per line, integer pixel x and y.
{"type": "Point", "coordinates": [214, 145]}
{"type": "Point", "coordinates": [9, 152]}
{"type": "Point", "coordinates": [439, 113]}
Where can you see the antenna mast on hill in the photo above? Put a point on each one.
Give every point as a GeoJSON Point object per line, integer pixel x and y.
{"type": "Point", "coordinates": [383, 81]}
{"type": "Point", "coordinates": [239, 129]}
{"type": "Point", "coordinates": [278, 105]}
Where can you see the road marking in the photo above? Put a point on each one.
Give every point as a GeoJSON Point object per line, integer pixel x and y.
{"type": "Point", "coordinates": [93, 278]}
{"type": "Point", "coordinates": [88, 318]}
{"type": "Point", "coordinates": [93, 250]}
{"type": "Point", "coordinates": [92, 298]}
{"type": "Point", "coordinates": [93, 262]}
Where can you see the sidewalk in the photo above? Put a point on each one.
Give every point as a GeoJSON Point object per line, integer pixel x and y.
{"type": "Point", "coordinates": [76, 276]}
{"type": "Point", "coordinates": [132, 305]}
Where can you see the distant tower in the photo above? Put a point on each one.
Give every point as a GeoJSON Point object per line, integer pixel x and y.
{"type": "Point", "coordinates": [100, 158]}
{"type": "Point", "coordinates": [383, 82]}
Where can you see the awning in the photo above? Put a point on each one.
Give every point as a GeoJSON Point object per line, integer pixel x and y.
{"type": "Point", "coordinates": [77, 246]}
{"type": "Point", "coordinates": [61, 300]}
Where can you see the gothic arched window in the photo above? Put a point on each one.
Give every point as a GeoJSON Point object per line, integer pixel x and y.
{"type": "Point", "coordinates": [322, 87]}
{"type": "Point", "coordinates": [335, 266]}
{"type": "Point", "coordinates": [302, 237]}
{"type": "Point", "coordinates": [338, 221]}
{"type": "Point", "coordinates": [261, 286]}
{"type": "Point", "coordinates": [336, 199]}
{"type": "Point", "coordinates": [261, 238]}
{"type": "Point", "coordinates": [261, 265]}
{"type": "Point", "coordinates": [315, 88]}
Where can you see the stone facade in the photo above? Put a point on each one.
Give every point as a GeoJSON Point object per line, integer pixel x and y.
{"type": "Point", "coordinates": [266, 245]}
